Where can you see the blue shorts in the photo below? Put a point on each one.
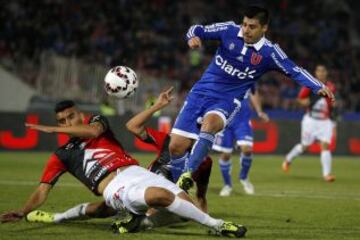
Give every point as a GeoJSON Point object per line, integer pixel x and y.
{"type": "Point", "coordinates": [196, 106]}
{"type": "Point", "coordinates": [239, 130]}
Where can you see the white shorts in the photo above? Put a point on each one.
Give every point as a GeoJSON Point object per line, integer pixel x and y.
{"type": "Point", "coordinates": [127, 189]}
{"type": "Point", "coordinates": [314, 129]}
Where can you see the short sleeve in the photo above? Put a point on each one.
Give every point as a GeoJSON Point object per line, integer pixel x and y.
{"type": "Point", "coordinates": [53, 170]}
{"type": "Point", "coordinates": [304, 93]}
{"type": "Point", "coordinates": [155, 138]}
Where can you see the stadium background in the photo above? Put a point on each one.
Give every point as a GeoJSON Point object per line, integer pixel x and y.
{"type": "Point", "coordinates": [51, 50]}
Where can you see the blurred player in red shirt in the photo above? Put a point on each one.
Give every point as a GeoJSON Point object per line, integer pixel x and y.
{"type": "Point", "coordinates": [316, 124]}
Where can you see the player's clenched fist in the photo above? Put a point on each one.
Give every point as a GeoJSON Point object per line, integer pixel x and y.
{"type": "Point", "coordinates": [194, 42]}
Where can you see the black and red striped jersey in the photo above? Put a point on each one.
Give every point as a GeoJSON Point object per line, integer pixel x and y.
{"type": "Point", "coordinates": [89, 160]}
{"type": "Point", "coordinates": [320, 107]}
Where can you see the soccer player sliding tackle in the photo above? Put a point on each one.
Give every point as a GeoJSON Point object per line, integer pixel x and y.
{"type": "Point", "coordinates": [243, 56]}
{"type": "Point", "coordinates": [96, 158]}
{"type": "Point", "coordinates": [161, 165]}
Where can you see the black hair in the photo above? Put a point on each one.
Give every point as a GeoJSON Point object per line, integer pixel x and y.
{"type": "Point", "coordinates": [260, 13]}
{"type": "Point", "coordinates": [62, 105]}
{"type": "Point", "coordinates": [317, 64]}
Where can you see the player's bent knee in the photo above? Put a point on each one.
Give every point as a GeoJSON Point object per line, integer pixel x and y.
{"type": "Point", "coordinates": [212, 123]}
{"type": "Point", "coordinates": [225, 156]}
{"type": "Point", "coordinates": [158, 197]}
{"type": "Point", "coordinates": [246, 150]}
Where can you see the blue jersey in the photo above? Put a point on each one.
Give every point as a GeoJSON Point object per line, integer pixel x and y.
{"type": "Point", "coordinates": [237, 65]}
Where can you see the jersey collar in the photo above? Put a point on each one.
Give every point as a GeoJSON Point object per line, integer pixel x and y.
{"type": "Point", "coordinates": [257, 45]}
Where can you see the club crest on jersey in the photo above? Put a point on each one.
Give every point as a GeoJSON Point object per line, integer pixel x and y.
{"type": "Point", "coordinates": [231, 46]}
{"type": "Point", "coordinates": [255, 58]}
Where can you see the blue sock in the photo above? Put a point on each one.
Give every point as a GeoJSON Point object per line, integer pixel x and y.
{"type": "Point", "coordinates": [177, 165]}
{"type": "Point", "coordinates": [200, 150]}
{"type": "Point", "coordinates": [245, 162]}
{"type": "Point", "coordinates": [225, 168]}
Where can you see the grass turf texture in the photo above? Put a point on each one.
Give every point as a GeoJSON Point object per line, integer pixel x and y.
{"type": "Point", "coordinates": [297, 205]}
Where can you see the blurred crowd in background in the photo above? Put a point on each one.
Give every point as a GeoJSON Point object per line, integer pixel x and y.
{"type": "Point", "coordinates": [149, 37]}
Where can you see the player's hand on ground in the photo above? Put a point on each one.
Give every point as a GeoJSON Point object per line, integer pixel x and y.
{"type": "Point", "coordinates": [42, 128]}
{"type": "Point", "coordinates": [263, 116]}
{"type": "Point", "coordinates": [326, 92]}
{"type": "Point", "coordinates": [194, 42]}
{"type": "Point", "coordinates": [13, 216]}
{"type": "Point", "coordinates": [165, 98]}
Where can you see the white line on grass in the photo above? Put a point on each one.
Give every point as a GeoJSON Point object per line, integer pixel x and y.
{"type": "Point", "coordinates": [298, 191]}
{"type": "Point", "coordinates": [304, 194]}
{"type": "Point", "coordinates": [279, 194]}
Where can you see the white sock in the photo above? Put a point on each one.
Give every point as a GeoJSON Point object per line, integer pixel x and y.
{"type": "Point", "coordinates": [72, 213]}
{"type": "Point", "coordinates": [325, 158]}
{"type": "Point", "coordinates": [188, 210]}
{"type": "Point", "coordinates": [295, 151]}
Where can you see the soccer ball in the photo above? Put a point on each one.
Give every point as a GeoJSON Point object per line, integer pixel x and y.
{"type": "Point", "coordinates": [121, 82]}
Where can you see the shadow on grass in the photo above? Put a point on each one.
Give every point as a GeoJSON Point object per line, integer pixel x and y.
{"type": "Point", "coordinates": [30, 227]}
{"type": "Point", "coordinates": [182, 229]}
{"type": "Point", "coordinates": [183, 233]}
{"type": "Point", "coordinates": [243, 217]}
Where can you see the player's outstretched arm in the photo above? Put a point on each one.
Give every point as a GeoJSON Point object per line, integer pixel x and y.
{"type": "Point", "coordinates": [136, 124]}
{"type": "Point", "coordinates": [282, 63]}
{"type": "Point", "coordinates": [197, 33]}
{"type": "Point", "coordinates": [36, 199]}
{"type": "Point", "coordinates": [84, 130]}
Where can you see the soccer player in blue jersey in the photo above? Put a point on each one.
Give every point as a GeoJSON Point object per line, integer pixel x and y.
{"type": "Point", "coordinates": [243, 55]}
{"type": "Point", "coordinates": [239, 131]}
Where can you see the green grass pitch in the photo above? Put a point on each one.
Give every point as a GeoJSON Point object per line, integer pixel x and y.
{"type": "Point", "coordinates": [297, 205]}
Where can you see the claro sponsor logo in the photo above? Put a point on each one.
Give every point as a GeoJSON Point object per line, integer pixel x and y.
{"type": "Point", "coordinates": [233, 71]}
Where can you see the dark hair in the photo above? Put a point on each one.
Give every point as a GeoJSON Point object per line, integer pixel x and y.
{"type": "Point", "coordinates": [260, 13]}
{"type": "Point", "coordinates": [62, 105]}
{"type": "Point", "coordinates": [323, 64]}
